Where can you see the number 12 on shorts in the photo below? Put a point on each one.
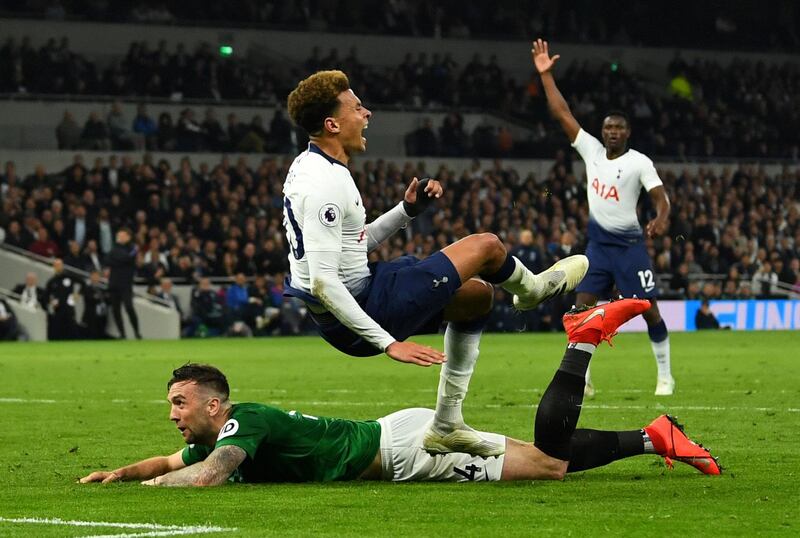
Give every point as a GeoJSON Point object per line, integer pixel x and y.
{"type": "Point", "coordinates": [647, 279]}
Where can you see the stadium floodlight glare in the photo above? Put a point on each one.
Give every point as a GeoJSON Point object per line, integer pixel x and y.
{"type": "Point", "coordinates": [225, 50]}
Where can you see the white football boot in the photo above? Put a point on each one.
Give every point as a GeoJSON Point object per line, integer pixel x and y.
{"type": "Point", "coordinates": [562, 277]}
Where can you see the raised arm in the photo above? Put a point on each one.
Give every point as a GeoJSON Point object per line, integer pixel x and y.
{"type": "Point", "coordinates": [555, 101]}
{"type": "Point", "coordinates": [212, 471]}
{"type": "Point", "coordinates": [142, 470]}
{"type": "Point", "coordinates": [380, 229]}
{"type": "Point", "coordinates": [660, 224]}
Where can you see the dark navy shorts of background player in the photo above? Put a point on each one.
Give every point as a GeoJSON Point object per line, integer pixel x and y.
{"type": "Point", "coordinates": [406, 296]}
{"type": "Point", "coordinates": [627, 266]}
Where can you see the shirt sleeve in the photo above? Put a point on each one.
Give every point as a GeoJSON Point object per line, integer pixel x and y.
{"type": "Point", "coordinates": [194, 453]}
{"type": "Point", "coordinates": [246, 430]}
{"type": "Point", "coordinates": [586, 145]}
{"type": "Point", "coordinates": [323, 209]}
{"type": "Point", "coordinates": [649, 176]}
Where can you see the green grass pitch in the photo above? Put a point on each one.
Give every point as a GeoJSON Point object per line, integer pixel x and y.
{"type": "Point", "coordinates": [69, 408]}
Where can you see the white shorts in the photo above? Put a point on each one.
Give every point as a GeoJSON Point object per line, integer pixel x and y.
{"type": "Point", "coordinates": [404, 459]}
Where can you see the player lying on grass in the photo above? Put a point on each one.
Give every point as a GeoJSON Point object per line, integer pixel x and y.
{"type": "Point", "coordinates": [250, 442]}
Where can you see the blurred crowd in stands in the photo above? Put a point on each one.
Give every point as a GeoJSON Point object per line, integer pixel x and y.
{"type": "Point", "coordinates": [669, 23]}
{"type": "Point", "coordinates": [739, 229]}
{"type": "Point", "coordinates": [186, 133]}
{"type": "Point", "coordinates": [745, 109]}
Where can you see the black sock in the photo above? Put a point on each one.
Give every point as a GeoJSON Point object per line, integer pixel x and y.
{"type": "Point", "coordinates": [595, 448]}
{"type": "Point", "coordinates": [560, 406]}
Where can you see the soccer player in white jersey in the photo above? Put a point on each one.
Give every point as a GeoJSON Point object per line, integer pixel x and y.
{"type": "Point", "coordinates": [616, 250]}
{"type": "Point", "coordinates": [366, 309]}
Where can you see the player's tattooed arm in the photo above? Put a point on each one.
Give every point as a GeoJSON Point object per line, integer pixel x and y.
{"type": "Point", "coordinates": [213, 471]}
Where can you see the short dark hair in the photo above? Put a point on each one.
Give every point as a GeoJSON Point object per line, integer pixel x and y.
{"type": "Point", "coordinates": [202, 374]}
{"type": "Point", "coordinates": [316, 98]}
{"type": "Point", "coordinates": [619, 114]}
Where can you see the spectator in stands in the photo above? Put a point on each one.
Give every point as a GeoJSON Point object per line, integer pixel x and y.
{"type": "Point", "coordinates": [95, 307]}
{"type": "Point", "coordinates": [164, 292]}
{"type": "Point", "coordinates": [44, 246]}
{"type": "Point", "coordinates": [215, 137]}
{"type": "Point", "coordinates": [60, 295]}
{"type": "Point", "coordinates": [166, 132]}
{"type": "Point", "coordinates": [281, 133]}
{"type": "Point", "coordinates": [79, 228]}
{"type": "Point", "coordinates": [529, 254]}
{"type": "Point", "coordinates": [145, 127]}
{"type": "Point", "coordinates": [765, 281]}
{"type": "Point", "coordinates": [17, 236]}
{"type": "Point", "coordinates": [122, 264]}
{"type": "Point", "coordinates": [74, 258]}
{"type": "Point", "coordinates": [30, 294]}
{"type": "Point", "coordinates": [95, 134]}
{"type": "Point", "coordinates": [189, 134]}
{"type": "Point", "coordinates": [679, 282]}
{"type": "Point", "coordinates": [208, 314]}
{"type": "Point", "coordinates": [422, 141]}
{"type": "Point", "coordinates": [9, 326]}
{"type": "Point", "coordinates": [120, 133]}
{"type": "Point", "coordinates": [68, 132]}
{"type": "Point", "coordinates": [237, 297]}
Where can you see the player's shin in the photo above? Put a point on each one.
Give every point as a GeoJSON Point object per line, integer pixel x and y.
{"type": "Point", "coordinates": [560, 406]}
{"type": "Point", "coordinates": [595, 448]}
{"type": "Point", "coordinates": [462, 349]}
{"type": "Point", "coordinates": [448, 433]}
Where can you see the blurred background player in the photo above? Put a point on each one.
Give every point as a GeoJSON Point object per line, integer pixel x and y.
{"type": "Point", "coordinates": [122, 268]}
{"type": "Point", "coordinates": [366, 309]}
{"type": "Point", "coordinates": [616, 250]}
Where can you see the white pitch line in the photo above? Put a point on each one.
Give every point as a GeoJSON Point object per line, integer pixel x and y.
{"type": "Point", "coordinates": [401, 405]}
{"type": "Point", "coordinates": [151, 529]}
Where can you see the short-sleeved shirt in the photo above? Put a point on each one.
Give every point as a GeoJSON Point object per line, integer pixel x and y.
{"type": "Point", "coordinates": [613, 187]}
{"type": "Point", "coordinates": [292, 447]}
{"type": "Point", "coordinates": [323, 212]}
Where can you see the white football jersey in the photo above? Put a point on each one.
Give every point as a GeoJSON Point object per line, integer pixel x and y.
{"type": "Point", "coordinates": [323, 212]}
{"type": "Point", "coordinates": [614, 185]}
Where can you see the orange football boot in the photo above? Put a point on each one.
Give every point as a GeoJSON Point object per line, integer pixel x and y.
{"type": "Point", "coordinates": [671, 442]}
{"type": "Point", "coordinates": [592, 325]}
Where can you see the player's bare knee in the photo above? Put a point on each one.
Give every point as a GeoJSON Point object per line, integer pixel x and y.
{"type": "Point", "coordinates": [492, 246]}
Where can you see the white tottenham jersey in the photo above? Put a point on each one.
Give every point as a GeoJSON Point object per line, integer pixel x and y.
{"type": "Point", "coordinates": [613, 187]}
{"type": "Point", "coordinates": [323, 212]}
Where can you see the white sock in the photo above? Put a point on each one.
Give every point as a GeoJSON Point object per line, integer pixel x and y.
{"type": "Point", "coordinates": [661, 352]}
{"type": "Point", "coordinates": [588, 376]}
{"type": "Point", "coordinates": [522, 281]}
{"type": "Point", "coordinates": [462, 352]}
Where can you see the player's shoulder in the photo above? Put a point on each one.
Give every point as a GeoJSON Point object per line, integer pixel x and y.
{"type": "Point", "coordinates": [638, 156]}
{"type": "Point", "coordinates": [585, 139]}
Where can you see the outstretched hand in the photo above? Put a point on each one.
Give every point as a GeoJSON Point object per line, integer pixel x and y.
{"type": "Point", "coordinates": [104, 477]}
{"type": "Point", "coordinates": [415, 353]}
{"type": "Point", "coordinates": [433, 189]}
{"type": "Point", "coordinates": [541, 56]}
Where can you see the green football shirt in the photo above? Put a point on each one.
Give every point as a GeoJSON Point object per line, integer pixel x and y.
{"type": "Point", "coordinates": [292, 447]}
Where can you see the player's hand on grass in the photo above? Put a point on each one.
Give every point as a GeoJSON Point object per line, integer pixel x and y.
{"type": "Point", "coordinates": [657, 227]}
{"type": "Point", "coordinates": [415, 353]}
{"type": "Point", "coordinates": [541, 56]}
{"type": "Point", "coordinates": [104, 477]}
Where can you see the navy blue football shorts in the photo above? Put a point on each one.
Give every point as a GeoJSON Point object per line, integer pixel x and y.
{"type": "Point", "coordinates": [626, 266]}
{"type": "Point", "coordinates": [406, 296]}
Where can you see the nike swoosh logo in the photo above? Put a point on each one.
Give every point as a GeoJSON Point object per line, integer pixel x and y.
{"type": "Point", "coordinates": [599, 312]}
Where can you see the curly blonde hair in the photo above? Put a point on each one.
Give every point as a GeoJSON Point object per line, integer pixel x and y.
{"type": "Point", "coordinates": [315, 99]}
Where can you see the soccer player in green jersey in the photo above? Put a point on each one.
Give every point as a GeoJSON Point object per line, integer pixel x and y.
{"type": "Point", "coordinates": [249, 442]}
